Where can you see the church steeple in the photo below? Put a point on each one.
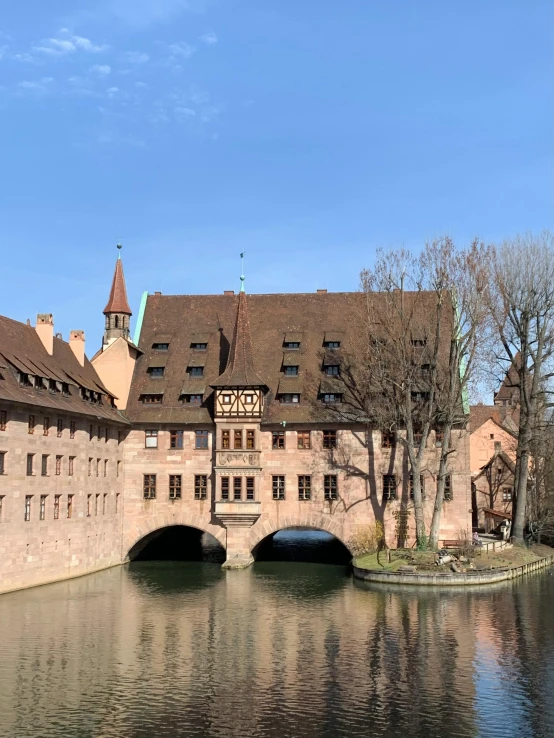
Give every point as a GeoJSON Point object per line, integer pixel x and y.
{"type": "Point", "coordinates": [117, 311]}
{"type": "Point", "coordinates": [240, 370]}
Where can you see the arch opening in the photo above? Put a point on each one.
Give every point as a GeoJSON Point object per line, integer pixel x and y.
{"type": "Point", "coordinates": [177, 543]}
{"type": "Point", "coordinates": [302, 544]}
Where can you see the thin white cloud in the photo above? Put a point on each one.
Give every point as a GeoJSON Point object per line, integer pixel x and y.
{"type": "Point", "coordinates": [135, 57]}
{"type": "Point", "coordinates": [182, 50]}
{"type": "Point", "coordinates": [24, 57]}
{"type": "Point", "coordinates": [36, 86]}
{"type": "Point", "coordinates": [66, 43]}
{"type": "Point", "coordinates": [143, 13]}
{"type": "Point", "coordinates": [112, 91]}
{"type": "Point", "coordinates": [102, 70]}
{"type": "Point", "coordinates": [209, 38]}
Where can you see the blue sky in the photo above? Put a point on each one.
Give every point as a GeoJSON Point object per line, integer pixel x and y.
{"type": "Point", "coordinates": [305, 132]}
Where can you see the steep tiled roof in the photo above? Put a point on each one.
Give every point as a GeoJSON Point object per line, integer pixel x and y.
{"type": "Point", "coordinates": [240, 370]}
{"type": "Point", "coordinates": [21, 350]}
{"type": "Point", "coordinates": [117, 302]}
{"type": "Point", "coordinates": [273, 320]}
{"type": "Point", "coordinates": [510, 384]}
{"type": "Point", "coordinates": [479, 414]}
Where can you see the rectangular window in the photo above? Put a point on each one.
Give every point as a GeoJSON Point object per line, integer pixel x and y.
{"type": "Point", "coordinates": [304, 487]}
{"type": "Point", "coordinates": [2, 460]}
{"type": "Point", "coordinates": [176, 439]}
{"type": "Point", "coordinates": [201, 439]}
{"type": "Point", "coordinates": [151, 439]}
{"type": "Point", "coordinates": [72, 429]}
{"type": "Point", "coordinates": [43, 507]}
{"type": "Point", "coordinates": [248, 399]}
{"type": "Point", "coordinates": [291, 371]}
{"type": "Point", "coordinates": [1, 507]}
{"type": "Point", "coordinates": [149, 486]}
{"type": "Point", "coordinates": [199, 346]}
{"type": "Point", "coordinates": [90, 460]}
{"type": "Point", "coordinates": [250, 439]}
{"type": "Point", "coordinates": [104, 502]}
{"type": "Point", "coordinates": [288, 398]}
{"type": "Point", "coordinates": [225, 439]}
{"type": "Point", "coordinates": [278, 487]}
{"type": "Point", "coordinates": [389, 487]}
{"type": "Point", "coordinates": [278, 439]}
{"type": "Point", "coordinates": [226, 399]}
{"type": "Point", "coordinates": [250, 488]}
{"type": "Point", "coordinates": [46, 426]}
{"type": "Point", "coordinates": [329, 439]}
{"type": "Point", "coordinates": [58, 465]}
{"type": "Point", "coordinates": [191, 399]}
{"type": "Point", "coordinates": [160, 346]}
{"type": "Point", "coordinates": [507, 493]}
{"type": "Point", "coordinates": [238, 439]}
{"type": "Point", "coordinates": [117, 502]}
{"type": "Point", "coordinates": [118, 468]}
{"type": "Point", "coordinates": [331, 370]}
{"type": "Point", "coordinates": [174, 486]}
{"type": "Point", "coordinates": [331, 397]}
{"type": "Point", "coordinates": [28, 499]}
{"type": "Point", "coordinates": [419, 342]}
{"type": "Point", "coordinates": [71, 466]}
{"type": "Point", "coordinates": [195, 371]}
{"type": "Point", "coordinates": [303, 439]}
{"type": "Point", "coordinates": [388, 439]}
{"type": "Point", "coordinates": [418, 437]}
{"type": "Point", "coordinates": [69, 506]}
{"type": "Point", "coordinates": [99, 432]}
{"type": "Point", "coordinates": [105, 467]}
{"type": "Point", "coordinates": [224, 488]}
{"type": "Point", "coordinates": [98, 467]}
{"type": "Point", "coordinates": [31, 425]}
{"type": "Point", "coordinates": [156, 372]}
{"type": "Point", "coordinates": [106, 434]}
{"type": "Point", "coordinates": [89, 506]}
{"type": "Point", "coordinates": [421, 484]}
{"type": "Point", "coordinates": [96, 498]}
{"type": "Point", "coordinates": [331, 344]}
{"type": "Point", "coordinates": [439, 437]}
{"type": "Point", "coordinates": [90, 432]}
{"type": "Point", "coordinates": [292, 345]}
{"type": "Point", "coordinates": [330, 487]}
{"type": "Point", "coordinates": [3, 419]}
{"type": "Point", "coordinates": [200, 486]}
{"type": "Point", "coordinates": [448, 487]}
{"type": "Point", "coordinates": [237, 488]}
{"type": "Point", "coordinates": [30, 464]}
{"type": "Point", "coordinates": [59, 429]}
{"type": "Point", "coordinates": [44, 465]}
{"type": "Point", "coordinates": [119, 437]}
{"type": "Point", "coordinates": [150, 399]}
{"type": "Point", "coordinates": [56, 507]}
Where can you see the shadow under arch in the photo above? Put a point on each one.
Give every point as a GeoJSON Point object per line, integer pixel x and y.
{"type": "Point", "coordinates": [259, 532]}
{"type": "Point", "coordinates": [303, 544]}
{"type": "Point", "coordinates": [135, 541]}
{"type": "Point", "coordinates": [176, 541]}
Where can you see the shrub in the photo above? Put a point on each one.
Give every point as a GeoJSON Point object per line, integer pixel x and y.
{"type": "Point", "coordinates": [367, 539]}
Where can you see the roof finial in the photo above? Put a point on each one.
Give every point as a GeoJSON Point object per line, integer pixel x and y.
{"type": "Point", "coordinates": [119, 247]}
{"type": "Point", "coordinates": [242, 277]}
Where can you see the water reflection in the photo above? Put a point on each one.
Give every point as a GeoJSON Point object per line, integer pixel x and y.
{"type": "Point", "coordinates": [281, 649]}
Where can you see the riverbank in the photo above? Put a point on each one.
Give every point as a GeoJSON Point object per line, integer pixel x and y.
{"type": "Point", "coordinates": [419, 567]}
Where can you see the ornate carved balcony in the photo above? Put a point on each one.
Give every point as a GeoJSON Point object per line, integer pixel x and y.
{"type": "Point", "coordinates": [237, 513]}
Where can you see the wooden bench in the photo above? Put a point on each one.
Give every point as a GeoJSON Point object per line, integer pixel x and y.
{"type": "Point", "coordinates": [450, 544]}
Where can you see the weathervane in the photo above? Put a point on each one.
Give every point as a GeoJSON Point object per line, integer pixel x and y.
{"type": "Point", "coordinates": [242, 277]}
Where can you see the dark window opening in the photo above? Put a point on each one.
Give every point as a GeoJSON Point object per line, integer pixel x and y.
{"type": "Point", "coordinates": [201, 487]}
{"type": "Point", "coordinates": [304, 487]}
{"type": "Point", "coordinates": [175, 486]}
{"type": "Point", "coordinates": [329, 439]}
{"type": "Point", "coordinates": [176, 439]}
{"type": "Point", "coordinates": [278, 439]}
{"type": "Point", "coordinates": [330, 487]}
{"type": "Point", "coordinates": [389, 486]}
{"type": "Point", "coordinates": [278, 487]}
{"type": "Point", "coordinates": [149, 486]}
{"type": "Point", "coordinates": [160, 346]}
{"type": "Point", "coordinates": [291, 371]}
{"type": "Point", "coordinates": [156, 371]}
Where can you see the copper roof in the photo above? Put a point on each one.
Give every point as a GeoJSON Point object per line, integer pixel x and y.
{"type": "Point", "coordinates": [247, 350]}
{"type": "Point", "coordinates": [117, 302]}
{"type": "Point", "coordinates": [21, 350]}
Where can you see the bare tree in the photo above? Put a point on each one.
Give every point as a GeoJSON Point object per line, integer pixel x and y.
{"type": "Point", "coordinates": [522, 310]}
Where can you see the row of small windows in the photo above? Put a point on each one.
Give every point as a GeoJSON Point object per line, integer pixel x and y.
{"type": "Point", "coordinates": [157, 372]}
{"type": "Point", "coordinates": [196, 346]}
{"type": "Point", "coordinates": [97, 504]}
{"type": "Point", "coordinates": [156, 398]}
{"type": "Point", "coordinates": [175, 488]}
{"type": "Point", "coordinates": [55, 386]}
{"type": "Point", "coordinates": [290, 345]}
{"type": "Point", "coordinates": [96, 467]}
{"type": "Point", "coordinates": [100, 432]}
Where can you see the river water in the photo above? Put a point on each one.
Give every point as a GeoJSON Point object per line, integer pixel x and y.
{"type": "Point", "coordinates": [284, 649]}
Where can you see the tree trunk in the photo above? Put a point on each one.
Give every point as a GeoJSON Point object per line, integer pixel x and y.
{"type": "Point", "coordinates": [439, 497]}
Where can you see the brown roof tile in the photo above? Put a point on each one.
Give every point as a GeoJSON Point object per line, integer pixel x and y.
{"type": "Point", "coordinates": [117, 301]}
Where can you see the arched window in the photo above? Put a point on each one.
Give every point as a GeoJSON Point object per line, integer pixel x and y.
{"type": "Point", "coordinates": [116, 321]}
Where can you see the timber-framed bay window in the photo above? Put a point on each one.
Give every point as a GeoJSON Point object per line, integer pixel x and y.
{"type": "Point", "coordinates": [149, 486]}
{"type": "Point", "coordinates": [250, 488]}
{"type": "Point", "coordinates": [250, 439]}
{"type": "Point", "coordinates": [225, 439]}
{"type": "Point", "coordinates": [237, 488]}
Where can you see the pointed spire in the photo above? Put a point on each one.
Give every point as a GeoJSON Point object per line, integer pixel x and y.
{"type": "Point", "coordinates": [240, 370]}
{"type": "Point", "coordinates": [117, 302]}
{"type": "Point", "coordinates": [242, 277]}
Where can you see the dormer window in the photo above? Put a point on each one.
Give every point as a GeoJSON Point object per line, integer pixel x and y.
{"type": "Point", "coordinates": [419, 342]}
{"type": "Point", "coordinates": [151, 399]}
{"type": "Point", "coordinates": [195, 371]}
{"type": "Point", "coordinates": [331, 397]}
{"type": "Point", "coordinates": [160, 346]}
{"type": "Point", "coordinates": [156, 371]}
{"type": "Point", "coordinates": [331, 344]}
{"type": "Point", "coordinates": [291, 371]}
{"type": "Point", "coordinates": [331, 370]}
{"type": "Point", "coordinates": [292, 345]}
{"type": "Point", "coordinates": [199, 346]}
{"type": "Point", "coordinates": [191, 399]}
{"type": "Point", "coordinates": [288, 398]}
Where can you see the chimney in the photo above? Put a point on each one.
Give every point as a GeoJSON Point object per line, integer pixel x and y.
{"type": "Point", "coordinates": [45, 330]}
{"type": "Point", "coordinates": [322, 292]}
{"type": "Point", "coordinates": [228, 292]}
{"type": "Point", "coordinates": [77, 345]}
